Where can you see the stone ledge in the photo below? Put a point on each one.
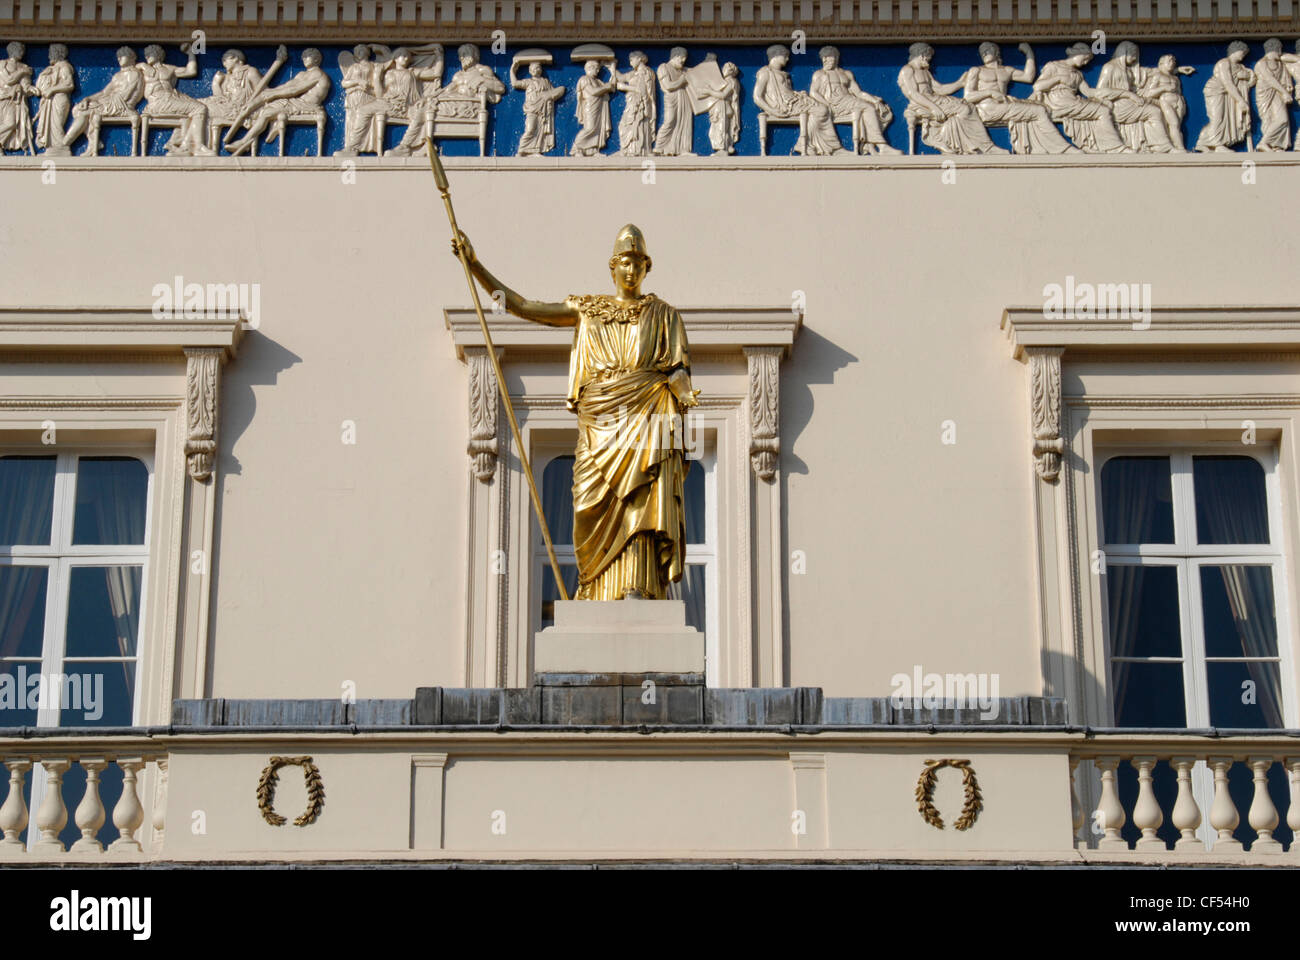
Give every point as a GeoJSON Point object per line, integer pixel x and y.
{"type": "Point", "coordinates": [602, 702]}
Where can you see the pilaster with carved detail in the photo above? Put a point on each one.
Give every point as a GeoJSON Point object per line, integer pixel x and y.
{"type": "Point", "coordinates": [202, 399]}
{"type": "Point", "coordinates": [764, 409]}
{"type": "Point", "coordinates": [1045, 409]}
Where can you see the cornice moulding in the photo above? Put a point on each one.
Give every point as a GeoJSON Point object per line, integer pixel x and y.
{"type": "Point", "coordinates": [132, 331]}
{"type": "Point", "coordinates": [710, 329]}
{"type": "Point", "coordinates": [1187, 329]}
{"type": "Point", "coordinates": [664, 20]}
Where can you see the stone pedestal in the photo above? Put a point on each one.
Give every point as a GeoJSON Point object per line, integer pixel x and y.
{"type": "Point", "coordinates": [619, 637]}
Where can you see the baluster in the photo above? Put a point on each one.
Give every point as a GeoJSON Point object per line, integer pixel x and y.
{"type": "Point", "coordinates": [1293, 809]}
{"type": "Point", "coordinates": [1147, 815]}
{"type": "Point", "coordinates": [13, 815]}
{"type": "Point", "coordinates": [90, 812]}
{"type": "Point", "coordinates": [52, 815]}
{"type": "Point", "coordinates": [1110, 811]}
{"type": "Point", "coordinates": [1076, 807]}
{"type": "Point", "coordinates": [128, 814]}
{"type": "Point", "coordinates": [1187, 815]}
{"type": "Point", "coordinates": [1262, 816]}
{"type": "Point", "coordinates": [160, 801]}
{"type": "Point", "coordinates": [1223, 813]}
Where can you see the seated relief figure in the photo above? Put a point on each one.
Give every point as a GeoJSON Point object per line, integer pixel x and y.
{"type": "Point", "coordinates": [55, 86]}
{"type": "Point", "coordinates": [408, 90]}
{"type": "Point", "coordinates": [471, 85]}
{"type": "Point", "coordinates": [1226, 107]}
{"type": "Point", "coordinates": [164, 101]}
{"type": "Point", "coordinates": [837, 88]}
{"type": "Point", "coordinates": [1028, 122]}
{"type": "Point", "coordinates": [1164, 87]}
{"type": "Point", "coordinates": [776, 96]}
{"type": "Point", "coordinates": [303, 94]}
{"type": "Point", "coordinates": [232, 87]}
{"type": "Point", "coordinates": [117, 101]}
{"type": "Point", "coordinates": [15, 87]}
{"type": "Point", "coordinates": [948, 124]}
{"type": "Point", "coordinates": [1069, 100]}
{"type": "Point", "coordinates": [636, 128]}
{"type": "Point", "coordinates": [1140, 121]}
{"type": "Point", "coordinates": [630, 385]}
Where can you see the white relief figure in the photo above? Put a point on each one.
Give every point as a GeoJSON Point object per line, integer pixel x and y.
{"type": "Point", "coordinates": [676, 134]}
{"type": "Point", "coordinates": [1027, 121]}
{"type": "Point", "coordinates": [54, 85]}
{"type": "Point", "coordinates": [164, 101]}
{"type": "Point", "coordinates": [592, 109]}
{"type": "Point", "coordinates": [1164, 87]}
{"type": "Point", "coordinates": [117, 101]}
{"type": "Point", "coordinates": [1274, 93]}
{"type": "Point", "coordinates": [473, 85]}
{"type": "Point", "coordinates": [1292, 61]}
{"type": "Point", "coordinates": [837, 88]}
{"type": "Point", "coordinates": [539, 103]}
{"type": "Point", "coordinates": [1141, 122]}
{"type": "Point", "coordinates": [362, 103]}
{"type": "Point", "coordinates": [724, 112]}
{"type": "Point", "coordinates": [15, 87]}
{"type": "Point", "coordinates": [636, 128]}
{"type": "Point", "coordinates": [1088, 122]}
{"type": "Point", "coordinates": [300, 95]}
{"type": "Point", "coordinates": [233, 87]}
{"type": "Point", "coordinates": [774, 94]}
{"type": "Point", "coordinates": [1227, 110]}
{"type": "Point", "coordinates": [948, 124]}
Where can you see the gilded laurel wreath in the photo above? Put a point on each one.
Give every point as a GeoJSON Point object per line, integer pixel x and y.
{"type": "Point", "coordinates": [974, 802]}
{"type": "Point", "coordinates": [266, 791]}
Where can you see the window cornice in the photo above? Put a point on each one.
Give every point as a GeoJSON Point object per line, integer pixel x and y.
{"type": "Point", "coordinates": [86, 331]}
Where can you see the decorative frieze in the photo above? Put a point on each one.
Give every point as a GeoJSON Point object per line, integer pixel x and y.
{"type": "Point", "coordinates": [596, 101]}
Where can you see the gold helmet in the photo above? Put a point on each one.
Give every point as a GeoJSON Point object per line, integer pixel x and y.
{"type": "Point", "coordinates": [630, 240]}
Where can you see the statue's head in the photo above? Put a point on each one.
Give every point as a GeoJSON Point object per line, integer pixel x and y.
{"type": "Point", "coordinates": [1079, 54]}
{"type": "Point", "coordinates": [989, 53]}
{"type": "Point", "coordinates": [311, 57]}
{"type": "Point", "coordinates": [535, 69]}
{"type": "Point", "coordinates": [361, 51]}
{"type": "Point", "coordinates": [677, 57]}
{"type": "Point", "coordinates": [16, 50]}
{"type": "Point", "coordinates": [1273, 48]}
{"type": "Point", "coordinates": [468, 54]}
{"type": "Point", "coordinates": [630, 262]}
{"type": "Point", "coordinates": [58, 53]}
{"type": "Point", "coordinates": [1168, 63]}
{"type": "Point", "coordinates": [829, 56]}
{"type": "Point", "coordinates": [778, 54]}
{"type": "Point", "coordinates": [920, 53]}
{"type": "Point", "coordinates": [1127, 52]}
{"type": "Point", "coordinates": [154, 53]}
{"type": "Point", "coordinates": [125, 57]}
{"type": "Point", "coordinates": [637, 58]}
{"type": "Point", "coordinates": [1237, 50]}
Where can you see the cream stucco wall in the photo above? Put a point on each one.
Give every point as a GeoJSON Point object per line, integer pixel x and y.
{"type": "Point", "coordinates": [339, 562]}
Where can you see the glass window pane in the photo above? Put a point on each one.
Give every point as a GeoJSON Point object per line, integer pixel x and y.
{"type": "Point", "coordinates": [1137, 503]}
{"type": "Point", "coordinates": [557, 498]}
{"type": "Point", "coordinates": [1237, 603]}
{"type": "Point", "coordinates": [19, 693]}
{"type": "Point", "coordinates": [111, 495]}
{"type": "Point", "coordinates": [1143, 611]}
{"type": "Point", "coordinates": [1231, 505]}
{"type": "Point", "coordinates": [693, 501]}
{"type": "Point", "coordinates": [1148, 694]}
{"type": "Point", "coordinates": [22, 610]}
{"type": "Point", "coordinates": [550, 594]}
{"type": "Point", "coordinates": [26, 500]}
{"type": "Point", "coordinates": [103, 611]}
{"type": "Point", "coordinates": [97, 694]}
{"type": "Point", "coordinates": [1245, 694]}
{"type": "Point", "coordinates": [691, 590]}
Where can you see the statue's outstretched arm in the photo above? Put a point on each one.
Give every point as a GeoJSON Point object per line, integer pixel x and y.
{"type": "Point", "coordinates": [554, 314]}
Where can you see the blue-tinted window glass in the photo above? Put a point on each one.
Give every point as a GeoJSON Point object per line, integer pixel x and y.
{"type": "Point", "coordinates": [1245, 694]}
{"type": "Point", "coordinates": [557, 499]}
{"type": "Point", "coordinates": [693, 501]}
{"type": "Point", "coordinates": [22, 610]}
{"type": "Point", "coordinates": [103, 611]}
{"type": "Point", "coordinates": [1143, 611]}
{"type": "Point", "coordinates": [97, 693]}
{"type": "Point", "coordinates": [1137, 503]}
{"type": "Point", "coordinates": [1148, 694]}
{"type": "Point", "coordinates": [1231, 503]}
{"type": "Point", "coordinates": [111, 497]}
{"type": "Point", "coordinates": [1237, 608]}
{"type": "Point", "coordinates": [26, 500]}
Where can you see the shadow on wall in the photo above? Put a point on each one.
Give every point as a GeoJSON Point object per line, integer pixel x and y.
{"type": "Point", "coordinates": [814, 359]}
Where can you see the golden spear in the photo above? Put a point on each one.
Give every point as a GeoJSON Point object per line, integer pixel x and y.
{"type": "Point", "coordinates": [444, 188]}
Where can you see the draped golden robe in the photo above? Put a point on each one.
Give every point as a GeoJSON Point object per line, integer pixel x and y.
{"type": "Point", "coordinates": [629, 527]}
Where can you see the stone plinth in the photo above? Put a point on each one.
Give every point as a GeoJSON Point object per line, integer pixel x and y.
{"type": "Point", "coordinates": [619, 636]}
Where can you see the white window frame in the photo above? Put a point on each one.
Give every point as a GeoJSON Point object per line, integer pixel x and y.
{"type": "Point", "coordinates": [62, 556]}
{"type": "Point", "coordinates": [697, 554]}
{"type": "Point", "coordinates": [1188, 557]}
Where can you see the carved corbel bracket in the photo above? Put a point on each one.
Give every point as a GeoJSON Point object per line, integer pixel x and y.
{"type": "Point", "coordinates": [484, 401]}
{"type": "Point", "coordinates": [764, 409]}
{"type": "Point", "coordinates": [1045, 409]}
{"type": "Point", "coordinates": [202, 401]}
